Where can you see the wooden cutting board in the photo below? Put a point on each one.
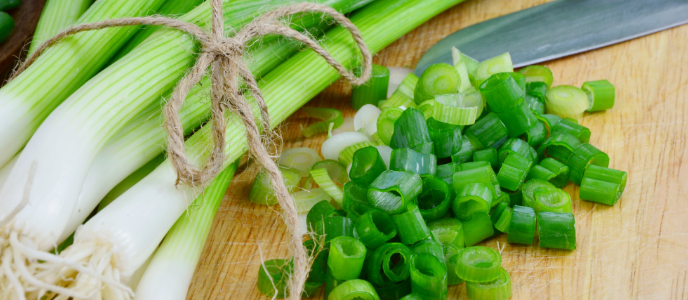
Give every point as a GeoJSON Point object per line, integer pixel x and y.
{"type": "Point", "coordinates": [635, 249]}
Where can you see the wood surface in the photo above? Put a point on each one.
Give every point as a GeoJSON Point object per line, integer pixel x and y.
{"type": "Point", "coordinates": [25, 20]}
{"type": "Point", "coordinates": [637, 249]}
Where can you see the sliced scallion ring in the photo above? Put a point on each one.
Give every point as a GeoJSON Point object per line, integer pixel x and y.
{"type": "Point", "coordinates": [327, 115]}
{"type": "Point", "coordinates": [499, 289]}
{"type": "Point", "coordinates": [566, 101]}
{"type": "Point", "coordinates": [346, 156]}
{"type": "Point", "coordinates": [305, 200]}
{"type": "Point", "coordinates": [301, 159]}
{"type": "Point", "coordinates": [479, 264]}
{"type": "Point", "coordinates": [538, 73]}
{"type": "Point", "coordinates": [322, 178]}
{"type": "Point", "coordinates": [457, 109]}
{"type": "Point", "coordinates": [354, 289]}
{"type": "Point", "coordinates": [336, 143]}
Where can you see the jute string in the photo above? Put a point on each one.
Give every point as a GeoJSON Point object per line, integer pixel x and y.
{"type": "Point", "coordinates": [224, 56]}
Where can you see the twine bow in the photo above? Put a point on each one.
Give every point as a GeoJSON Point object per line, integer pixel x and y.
{"type": "Point", "coordinates": [224, 55]}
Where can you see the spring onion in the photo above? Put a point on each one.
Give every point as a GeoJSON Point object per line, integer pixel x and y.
{"type": "Point", "coordinates": [318, 212]}
{"type": "Point", "coordinates": [322, 178]}
{"type": "Point", "coordinates": [536, 135]}
{"type": "Point", "coordinates": [346, 156]}
{"type": "Point", "coordinates": [513, 172]}
{"type": "Point", "coordinates": [365, 119]}
{"type": "Point", "coordinates": [354, 289]}
{"type": "Point", "coordinates": [582, 157]}
{"type": "Point", "coordinates": [437, 79]}
{"type": "Point", "coordinates": [427, 107]}
{"type": "Point", "coordinates": [470, 64]}
{"type": "Point", "coordinates": [404, 159]}
{"type": "Point", "coordinates": [472, 199]}
{"type": "Point", "coordinates": [559, 146]}
{"type": "Point", "coordinates": [446, 138]}
{"type": "Point", "coordinates": [385, 123]}
{"type": "Point", "coordinates": [411, 131]}
{"type": "Point", "coordinates": [408, 85]}
{"type": "Point", "coordinates": [537, 107]}
{"type": "Point", "coordinates": [431, 247]}
{"type": "Point", "coordinates": [355, 201]}
{"type": "Point", "coordinates": [498, 64]}
{"type": "Point", "coordinates": [466, 152]}
{"type": "Point", "coordinates": [389, 264]}
{"type": "Point", "coordinates": [537, 73]}
{"type": "Point", "coordinates": [346, 256]}
{"type": "Point", "coordinates": [335, 226]}
{"type": "Point", "coordinates": [477, 229]}
{"type": "Point", "coordinates": [392, 190]}
{"type": "Point", "coordinates": [367, 165]}
{"type": "Point", "coordinates": [537, 90]}
{"type": "Point", "coordinates": [448, 231]}
{"type": "Point", "coordinates": [375, 228]}
{"type": "Point", "coordinates": [428, 277]}
{"type": "Point", "coordinates": [451, 255]}
{"type": "Point", "coordinates": [517, 119]}
{"type": "Point", "coordinates": [499, 289]}
{"type": "Point", "coordinates": [550, 121]}
{"type": "Point", "coordinates": [489, 155]}
{"type": "Point", "coordinates": [501, 218]}
{"type": "Point", "coordinates": [567, 101]}
{"type": "Point", "coordinates": [601, 94]}
{"type": "Point", "coordinates": [261, 190]}
{"type": "Point", "coordinates": [395, 291]}
{"type": "Point", "coordinates": [522, 225]}
{"type": "Point", "coordinates": [479, 264]}
{"type": "Point", "coordinates": [501, 91]}
{"type": "Point", "coordinates": [457, 109]}
{"type": "Point", "coordinates": [574, 129]}
{"type": "Point", "coordinates": [374, 90]}
{"type": "Point", "coordinates": [435, 200]}
{"type": "Point", "coordinates": [411, 226]}
{"type": "Point", "coordinates": [57, 16]}
{"type": "Point", "coordinates": [273, 278]}
{"type": "Point", "coordinates": [543, 196]}
{"type": "Point", "coordinates": [348, 126]}
{"type": "Point", "coordinates": [330, 284]}
{"type": "Point", "coordinates": [482, 174]}
{"type": "Point", "coordinates": [334, 145]}
{"type": "Point", "coordinates": [397, 100]}
{"type": "Point", "coordinates": [486, 132]}
{"type": "Point", "coordinates": [329, 116]}
{"type": "Point", "coordinates": [301, 159]}
{"type": "Point", "coordinates": [557, 230]}
{"type": "Point", "coordinates": [446, 173]}
{"type": "Point", "coordinates": [602, 185]}
{"type": "Point", "coordinates": [515, 146]}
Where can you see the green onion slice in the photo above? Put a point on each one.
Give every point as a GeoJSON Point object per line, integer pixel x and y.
{"type": "Point", "coordinates": [437, 79]}
{"type": "Point", "coordinates": [477, 229]}
{"type": "Point", "coordinates": [320, 211]}
{"type": "Point", "coordinates": [488, 155]}
{"type": "Point", "coordinates": [537, 89]}
{"type": "Point", "coordinates": [366, 166]}
{"type": "Point", "coordinates": [537, 107]}
{"type": "Point", "coordinates": [435, 199]}
{"type": "Point", "coordinates": [582, 157]}
{"type": "Point", "coordinates": [398, 100]}
{"type": "Point", "coordinates": [602, 185]}
{"type": "Point", "coordinates": [427, 107]}
{"type": "Point", "coordinates": [428, 277]}
{"type": "Point", "coordinates": [517, 119]}
{"type": "Point", "coordinates": [410, 130]}
{"type": "Point", "coordinates": [322, 178]}
{"type": "Point", "coordinates": [465, 66]}
{"type": "Point", "coordinates": [522, 225]}
{"type": "Point", "coordinates": [537, 73]}
{"type": "Point", "coordinates": [408, 85]}
{"type": "Point", "coordinates": [543, 196]}
{"type": "Point", "coordinates": [471, 199]}
{"type": "Point", "coordinates": [550, 121]}
{"type": "Point", "coordinates": [502, 217]}
{"type": "Point", "coordinates": [332, 227]}
{"type": "Point", "coordinates": [513, 172]}
{"type": "Point", "coordinates": [448, 231]}
{"type": "Point", "coordinates": [411, 226]}
{"type": "Point", "coordinates": [567, 101]}
{"type": "Point", "coordinates": [499, 289]}
{"type": "Point", "coordinates": [557, 230]}
{"type": "Point", "coordinates": [273, 277]}
{"type": "Point", "coordinates": [346, 257]}
{"type": "Point", "coordinates": [486, 132]}
{"type": "Point", "coordinates": [346, 156]}
{"type": "Point", "coordinates": [479, 264]}
{"type": "Point", "coordinates": [355, 201]}
{"type": "Point", "coordinates": [392, 190]}
{"type": "Point", "coordinates": [568, 126]}
{"type": "Point", "coordinates": [501, 91]}
{"type": "Point", "coordinates": [489, 67]}
{"type": "Point", "coordinates": [389, 264]}
{"type": "Point", "coordinates": [327, 115]}
{"type": "Point", "coordinates": [354, 289]}
{"type": "Point", "coordinates": [375, 228]}
{"type": "Point", "coordinates": [536, 135]}
{"type": "Point", "coordinates": [466, 152]}
{"type": "Point", "coordinates": [398, 290]}
{"type": "Point", "coordinates": [559, 146]}
{"type": "Point", "coordinates": [514, 145]}
{"type": "Point", "coordinates": [261, 190]}
{"type": "Point", "coordinates": [374, 90]}
{"type": "Point", "coordinates": [457, 109]}
{"type": "Point", "coordinates": [301, 159]}
{"type": "Point", "coordinates": [385, 123]}
{"type": "Point", "coordinates": [404, 159]}
{"type": "Point", "coordinates": [446, 138]}
{"type": "Point", "coordinates": [305, 200]}
{"type": "Point", "coordinates": [334, 145]}
{"type": "Point", "coordinates": [601, 94]}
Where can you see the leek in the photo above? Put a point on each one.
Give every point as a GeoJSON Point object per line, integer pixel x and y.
{"type": "Point", "coordinates": [57, 15]}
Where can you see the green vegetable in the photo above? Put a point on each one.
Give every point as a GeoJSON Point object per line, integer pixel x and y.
{"type": "Point", "coordinates": [517, 146]}
{"type": "Point", "coordinates": [273, 277]}
{"type": "Point", "coordinates": [446, 138]}
{"type": "Point", "coordinates": [550, 170]}
{"type": "Point", "coordinates": [57, 15]}
{"type": "Point", "coordinates": [567, 101]}
{"type": "Point", "coordinates": [559, 146]}
{"type": "Point", "coordinates": [355, 201]}
{"type": "Point", "coordinates": [601, 94]}
{"type": "Point", "coordinates": [536, 135]}
{"type": "Point", "coordinates": [557, 230]}
{"type": "Point", "coordinates": [602, 185]}
{"type": "Point", "coordinates": [367, 165]}
{"type": "Point", "coordinates": [301, 159]}
{"type": "Point", "coordinates": [466, 152]}
{"type": "Point", "coordinates": [489, 67]}
{"type": "Point", "coordinates": [437, 79]}
{"type": "Point", "coordinates": [517, 119]}
{"type": "Point", "coordinates": [428, 277]}
{"type": "Point", "coordinates": [346, 257]}
{"type": "Point", "coordinates": [582, 157]}
{"type": "Point", "coordinates": [374, 90]}
{"type": "Point", "coordinates": [346, 156]}
{"type": "Point", "coordinates": [392, 190]}
{"type": "Point", "coordinates": [513, 172]}
{"type": "Point", "coordinates": [457, 109]}
{"type": "Point", "coordinates": [6, 26]}
{"type": "Point", "coordinates": [322, 178]}
{"type": "Point", "coordinates": [522, 225]}
{"type": "Point", "coordinates": [411, 226]}
{"type": "Point", "coordinates": [385, 123]}
{"type": "Point", "coordinates": [411, 131]}
{"type": "Point", "coordinates": [261, 190]}
{"type": "Point", "coordinates": [537, 89]}
{"type": "Point", "coordinates": [486, 132]}
{"type": "Point", "coordinates": [329, 116]}
{"type": "Point", "coordinates": [404, 159]}
{"type": "Point", "coordinates": [499, 289]}
{"type": "Point", "coordinates": [537, 107]}
{"type": "Point", "coordinates": [472, 199]}
{"type": "Point", "coordinates": [537, 73]}
{"type": "Point", "coordinates": [567, 126]}
{"type": "Point", "coordinates": [389, 264]}
{"type": "Point", "coordinates": [335, 226]}
{"type": "Point", "coordinates": [543, 196]}
{"type": "Point", "coordinates": [477, 229]}
{"type": "Point", "coordinates": [318, 212]}
{"type": "Point", "coordinates": [448, 231]}
{"type": "Point", "coordinates": [479, 264]}
{"type": "Point", "coordinates": [501, 218]}
{"type": "Point", "coordinates": [489, 155]}
{"type": "Point", "coordinates": [375, 228]}
{"type": "Point", "coordinates": [435, 200]}
{"type": "Point", "coordinates": [502, 92]}
{"type": "Point", "coordinates": [482, 174]}
{"type": "Point", "coordinates": [354, 289]}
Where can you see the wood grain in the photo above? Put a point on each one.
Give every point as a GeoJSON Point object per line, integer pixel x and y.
{"type": "Point", "coordinates": [637, 249]}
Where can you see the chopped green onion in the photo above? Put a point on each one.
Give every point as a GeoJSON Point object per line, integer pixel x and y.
{"type": "Point", "coordinates": [346, 157]}
{"type": "Point", "coordinates": [335, 144]}
{"type": "Point", "coordinates": [479, 264]}
{"type": "Point", "coordinates": [457, 109]}
{"type": "Point", "coordinates": [301, 159]}
{"type": "Point", "coordinates": [399, 290]}
{"type": "Point", "coordinates": [392, 190]}
{"type": "Point", "coordinates": [261, 190]}
{"type": "Point", "coordinates": [435, 199]}
{"type": "Point", "coordinates": [451, 257]}
{"type": "Point", "coordinates": [472, 165]}
{"type": "Point", "coordinates": [437, 79]}
{"type": "Point", "coordinates": [517, 119]}
{"type": "Point", "coordinates": [522, 225]}
{"type": "Point", "coordinates": [472, 199]}
{"type": "Point", "coordinates": [273, 277]}
{"type": "Point", "coordinates": [318, 212]}
{"type": "Point", "coordinates": [431, 247]}
{"type": "Point", "coordinates": [446, 138]}
{"type": "Point", "coordinates": [488, 67]}
{"type": "Point", "coordinates": [346, 257]}
{"type": "Point", "coordinates": [410, 130]}
{"type": "Point", "coordinates": [543, 196]}
{"type": "Point", "coordinates": [537, 89]}
{"type": "Point", "coordinates": [411, 226]}
{"type": "Point", "coordinates": [355, 201]}
{"type": "Point", "coordinates": [365, 120]}
{"type": "Point", "coordinates": [537, 73]}
{"type": "Point", "coordinates": [537, 107]}
{"type": "Point", "coordinates": [330, 284]}
{"type": "Point", "coordinates": [515, 197]}
{"type": "Point", "coordinates": [566, 101]}
{"type": "Point", "coordinates": [470, 64]}
{"type": "Point", "coordinates": [335, 169]}
{"type": "Point", "coordinates": [579, 131]}
{"type": "Point", "coordinates": [559, 146]}
{"type": "Point", "coordinates": [322, 178]}
{"type": "Point", "coordinates": [503, 198]}
{"type": "Point", "coordinates": [499, 289]}
{"type": "Point", "coordinates": [404, 159]}
{"type": "Point", "coordinates": [407, 86]}
{"type": "Point", "coordinates": [332, 227]}
{"type": "Point", "coordinates": [354, 289]}
{"type": "Point", "coordinates": [389, 264]}
{"type": "Point", "coordinates": [482, 174]}
{"type": "Point", "coordinates": [397, 100]}
{"type": "Point", "coordinates": [501, 91]}
{"type": "Point", "coordinates": [385, 123]}
{"type": "Point", "coordinates": [375, 228]}
{"type": "Point", "coordinates": [602, 185]}
{"type": "Point", "coordinates": [486, 132]}
{"type": "Point", "coordinates": [428, 277]}
{"type": "Point", "coordinates": [329, 116]}
{"type": "Point", "coordinates": [536, 135]}
{"type": "Point", "coordinates": [374, 90]}
{"type": "Point", "coordinates": [477, 229]}
{"type": "Point", "coordinates": [310, 288]}
{"type": "Point", "coordinates": [582, 157]}
{"type": "Point", "coordinates": [601, 94]}
{"type": "Point", "coordinates": [305, 200]}
{"type": "Point", "coordinates": [560, 172]}
{"type": "Point", "coordinates": [489, 155]}
{"type": "Point", "coordinates": [367, 165]}
{"type": "Point", "coordinates": [427, 108]}
{"type": "Point", "coordinates": [514, 145]}
{"type": "Point", "coordinates": [448, 231]}
{"type": "Point", "coordinates": [446, 172]}
{"type": "Point", "coordinates": [502, 217]}
{"type": "Point", "coordinates": [557, 230]}
{"type": "Point", "coordinates": [550, 121]}
{"type": "Point", "coordinates": [465, 154]}
{"type": "Point", "coordinates": [513, 172]}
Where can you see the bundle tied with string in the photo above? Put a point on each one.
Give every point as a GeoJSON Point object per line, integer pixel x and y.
{"type": "Point", "coordinates": [224, 56]}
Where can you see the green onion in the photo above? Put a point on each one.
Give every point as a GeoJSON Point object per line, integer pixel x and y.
{"type": "Point", "coordinates": [396, 291]}
{"type": "Point", "coordinates": [335, 226]}
{"type": "Point", "coordinates": [273, 277]}
{"type": "Point", "coordinates": [448, 231]}
{"type": "Point", "coordinates": [385, 123]}
{"type": "Point", "coordinates": [451, 256]}
{"type": "Point", "coordinates": [409, 160]}
{"type": "Point", "coordinates": [489, 67]}
{"type": "Point", "coordinates": [392, 190]}
{"type": "Point", "coordinates": [482, 174]}
{"type": "Point", "coordinates": [515, 197]}
{"type": "Point", "coordinates": [431, 247]}
{"type": "Point", "coordinates": [522, 225]}
{"type": "Point", "coordinates": [346, 156]}
{"type": "Point", "coordinates": [501, 91]}
{"type": "Point", "coordinates": [446, 138]}
{"type": "Point", "coordinates": [559, 146]}
{"type": "Point", "coordinates": [470, 64]}
{"type": "Point", "coordinates": [446, 172]}
{"type": "Point", "coordinates": [428, 277]}
{"type": "Point", "coordinates": [457, 109]}
{"type": "Point", "coordinates": [560, 172]}
{"type": "Point", "coordinates": [537, 73]}
{"type": "Point", "coordinates": [579, 131]}
{"type": "Point", "coordinates": [355, 201]}
{"type": "Point", "coordinates": [437, 79]}
{"type": "Point", "coordinates": [389, 264]}
{"type": "Point", "coordinates": [513, 172]}
{"type": "Point", "coordinates": [473, 165]}
{"type": "Point", "coordinates": [301, 159]}
{"type": "Point", "coordinates": [322, 178]}
{"type": "Point", "coordinates": [489, 155]}
{"type": "Point", "coordinates": [536, 135]}
{"type": "Point", "coordinates": [557, 230]}
{"type": "Point", "coordinates": [427, 107]}
{"type": "Point", "coordinates": [567, 101]}
{"type": "Point", "coordinates": [318, 212]}
{"type": "Point", "coordinates": [330, 284]}
{"type": "Point", "coordinates": [543, 196]}
{"type": "Point", "coordinates": [310, 289]}
{"type": "Point", "coordinates": [354, 289]}
{"type": "Point", "coordinates": [261, 190]}
{"type": "Point", "coordinates": [517, 119]}
{"type": "Point", "coordinates": [601, 94]}
{"type": "Point", "coordinates": [602, 185]}
{"type": "Point", "coordinates": [374, 90]}
{"type": "Point", "coordinates": [407, 86]}
{"type": "Point", "coordinates": [499, 289]}
{"type": "Point", "coordinates": [375, 228]}
{"type": "Point", "coordinates": [335, 169]}
{"type": "Point", "coordinates": [435, 199]}
{"type": "Point", "coordinates": [346, 257]}
{"type": "Point", "coordinates": [466, 152]}
{"type": "Point", "coordinates": [329, 116]}
{"type": "Point", "coordinates": [479, 264]}
{"type": "Point", "coordinates": [502, 217]}
{"type": "Point", "coordinates": [366, 166]}
{"type": "Point", "coordinates": [304, 200]}
{"type": "Point", "coordinates": [537, 107]}
{"type": "Point", "coordinates": [503, 198]}
{"type": "Point", "coordinates": [514, 145]}
{"type": "Point", "coordinates": [57, 15]}
{"type": "Point", "coordinates": [477, 229]}
{"type": "Point", "coordinates": [411, 226]}
{"type": "Point", "coordinates": [397, 100]}
{"type": "Point", "coordinates": [537, 89]}
{"type": "Point", "coordinates": [410, 130]}
{"type": "Point", "coordinates": [472, 199]}
{"type": "Point", "coordinates": [550, 121]}
{"type": "Point", "coordinates": [582, 157]}
{"type": "Point", "coordinates": [486, 132]}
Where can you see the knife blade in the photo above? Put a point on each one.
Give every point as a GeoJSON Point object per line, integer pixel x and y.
{"type": "Point", "coordinates": [559, 28]}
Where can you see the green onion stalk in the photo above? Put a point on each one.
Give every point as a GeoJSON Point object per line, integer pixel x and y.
{"type": "Point", "coordinates": [286, 88]}
{"type": "Point", "coordinates": [57, 15]}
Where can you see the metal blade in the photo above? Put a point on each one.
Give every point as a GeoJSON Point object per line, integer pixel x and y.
{"type": "Point", "coordinates": [558, 29]}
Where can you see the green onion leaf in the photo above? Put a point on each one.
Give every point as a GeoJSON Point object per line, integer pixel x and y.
{"type": "Point", "coordinates": [537, 90]}
{"type": "Point", "coordinates": [261, 190]}
{"type": "Point", "coordinates": [354, 289]}
{"type": "Point", "coordinates": [322, 178]}
{"type": "Point", "coordinates": [477, 174]}
{"type": "Point", "coordinates": [602, 185]}
{"type": "Point", "coordinates": [567, 101]}
{"type": "Point", "coordinates": [273, 277]}
{"type": "Point", "coordinates": [305, 200]}
{"type": "Point", "coordinates": [489, 67]}
{"type": "Point", "coordinates": [501, 218]}
{"type": "Point", "coordinates": [517, 119]}
{"type": "Point", "coordinates": [537, 73]}
{"type": "Point", "coordinates": [409, 160]}
{"type": "Point", "coordinates": [318, 212]}
{"type": "Point", "coordinates": [559, 146]}
{"type": "Point", "coordinates": [366, 166]}
{"type": "Point", "coordinates": [568, 126]}
{"type": "Point", "coordinates": [437, 79]}
{"type": "Point", "coordinates": [435, 199]}
{"type": "Point", "coordinates": [486, 132]}
{"type": "Point", "coordinates": [472, 199]}
{"type": "Point", "coordinates": [557, 230]}
{"type": "Point", "coordinates": [392, 190]}
{"type": "Point", "coordinates": [582, 157]}
{"type": "Point", "coordinates": [513, 172]}
{"type": "Point", "coordinates": [374, 90]}
{"type": "Point", "coordinates": [479, 264]}
{"type": "Point", "coordinates": [501, 91]}
{"type": "Point", "coordinates": [375, 228]}
{"type": "Point", "coordinates": [301, 159]}
{"type": "Point", "coordinates": [457, 109]}
{"type": "Point", "coordinates": [488, 155]}
{"type": "Point", "coordinates": [499, 289]}
{"type": "Point", "coordinates": [446, 138]}
{"type": "Point", "coordinates": [346, 156]}
{"type": "Point", "coordinates": [477, 229]}
{"type": "Point", "coordinates": [411, 226]}
{"type": "Point", "coordinates": [543, 196]}
{"type": "Point", "coordinates": [327, 115]}
{"type": "Point", "coordinates": [335, 226]}
{"type": "Point", "coordinates": [522, 225]}
{"type": "Point", "coordinates": [448, 231]}
{"type": "Point", "coordinates": [428, 277]}
{"type": "Point", "coordinates": [410, 130]}
{"type": "Point", "coordinates": [389, 264]}
{"type": "Point", "coordinates": [355, 201]}
{"type": "Point", "coordinates": [346, 257]}
{"type": "Point", "coordinates": [601, 94]}
{"type": "Point", "coordinates": [385, 123]}
{"type": "Point", "coordinates": [466, 152]}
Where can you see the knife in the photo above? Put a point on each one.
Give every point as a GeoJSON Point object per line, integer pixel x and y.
{"type": "Point", "coordinates": [557, 29]}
